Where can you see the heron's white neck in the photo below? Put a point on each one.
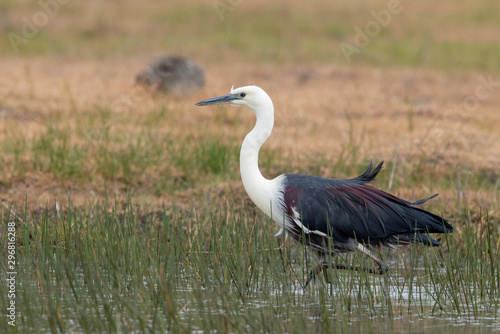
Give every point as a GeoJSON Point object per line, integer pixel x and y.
{"type": "Point", "coordinates": [257, 186]}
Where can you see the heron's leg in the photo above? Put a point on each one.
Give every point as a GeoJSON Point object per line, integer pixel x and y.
{"type": "Point", "coordinates": [382, 269]}
{"type": "Point", "coordinates": [322, 266]}
{"type": "Point", "coordinates": [312, 275]}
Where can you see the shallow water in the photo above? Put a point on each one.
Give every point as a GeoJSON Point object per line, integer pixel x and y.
{"type": "Point", "coordinates": [410, 311]}
{"type": "Point", "coordinates": [351, 302]}
{"type": "Point", "coordinates": [414, 307]}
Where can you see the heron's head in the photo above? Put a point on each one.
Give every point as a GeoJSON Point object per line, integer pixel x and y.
{"type": "Point", "coordinates": [248, 96]}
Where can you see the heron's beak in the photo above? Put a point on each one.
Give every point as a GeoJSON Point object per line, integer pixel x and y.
{"type": "Point", "coordinates": [218, 100]}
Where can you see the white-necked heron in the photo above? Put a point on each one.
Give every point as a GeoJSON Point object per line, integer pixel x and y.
{"type": "Point", "coordinates": [329, 215]}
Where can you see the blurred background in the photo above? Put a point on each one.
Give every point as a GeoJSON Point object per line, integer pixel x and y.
{"type": "Point", "coordinates": [414, 83]}
{"type": "Point", "coordinates": [445, 35]}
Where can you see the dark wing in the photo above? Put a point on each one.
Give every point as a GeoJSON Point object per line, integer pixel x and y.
{"type": "Point", "coordinates": [345, 209]}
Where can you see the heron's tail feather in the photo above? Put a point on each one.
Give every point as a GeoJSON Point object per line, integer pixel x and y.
{"type": "Point", "coordinates": [370, 174]}
{"type": "Point", "coordinates": [422, 201]}
{"type": "Point", "coordinates": [421, 239]}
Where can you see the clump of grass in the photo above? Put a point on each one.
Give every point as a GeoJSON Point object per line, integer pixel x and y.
{"type": "Point", "coordinates": [203, 155]}
{"type": "Point", "coordinates": [52, 152]}
{"type": "Point", "coordinates": [216, 157]}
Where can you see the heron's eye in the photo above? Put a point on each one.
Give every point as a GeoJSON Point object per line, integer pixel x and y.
{"type": "Point", "coordinates": [242, 95]}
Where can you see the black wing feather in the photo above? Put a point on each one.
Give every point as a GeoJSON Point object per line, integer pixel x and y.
{"type": "Point", "coordinates": [345, 209]}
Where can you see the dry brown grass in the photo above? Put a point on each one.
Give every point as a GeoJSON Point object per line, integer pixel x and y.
{"type": "Point", "coordinates": [315, 107]}
{"type": "Point", "coordinates": [321, 108]}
